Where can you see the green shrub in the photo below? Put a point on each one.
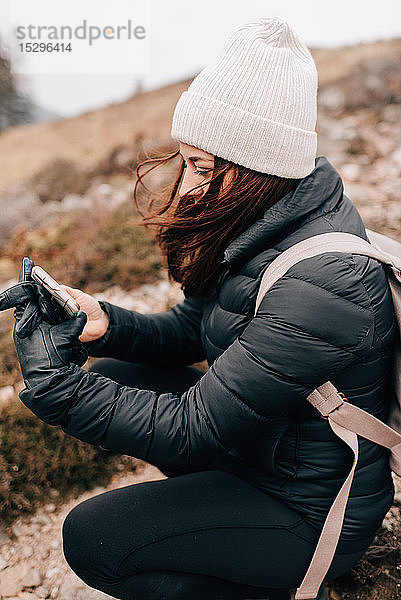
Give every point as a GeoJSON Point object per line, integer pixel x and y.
{"type": "Point", "coordinates": [9, 368]}
{"type": "Point", "coordinates": [36, 457]}
{"type": "Point", "coordinates": [91, 250]}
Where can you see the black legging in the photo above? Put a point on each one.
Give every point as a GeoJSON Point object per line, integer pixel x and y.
{"type": "Point", "coordinates": [202, 535]}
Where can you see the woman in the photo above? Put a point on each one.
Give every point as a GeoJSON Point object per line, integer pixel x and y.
{"type": "Point", "coordinates": [252, 467]}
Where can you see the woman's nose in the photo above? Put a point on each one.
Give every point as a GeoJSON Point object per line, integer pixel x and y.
{"type": "Point", "coordinates": [187, 184]}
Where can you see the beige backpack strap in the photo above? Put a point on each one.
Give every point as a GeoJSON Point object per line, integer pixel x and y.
{"type": "Point", "coordinates": [332, 404]}
{"type": "Point", "coordinates": [346, 420]}
{"type": "Point", "coordinates": [328, 540]}
{"type": "Point", "coordinates": [333, 241]}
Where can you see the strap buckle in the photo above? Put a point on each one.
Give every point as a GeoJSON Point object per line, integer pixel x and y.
{"type": "Point", "coordinates": [344, 400]}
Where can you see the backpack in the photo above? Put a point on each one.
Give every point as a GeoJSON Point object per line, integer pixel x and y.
{"type": "Point", "coordinates": [347, 420]}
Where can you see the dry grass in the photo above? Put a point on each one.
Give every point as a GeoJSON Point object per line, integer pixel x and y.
{"type": "Point", "coordinates": [91, 249]}
{"type": "Point", "coordinates": [89, 138]}
{"type": "Point", "coordinates": [36, 457]}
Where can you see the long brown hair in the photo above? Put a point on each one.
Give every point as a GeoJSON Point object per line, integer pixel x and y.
{"type": "Point", "coordinates": [194, 229]}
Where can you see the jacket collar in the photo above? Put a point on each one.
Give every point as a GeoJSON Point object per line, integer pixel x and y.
{"type": "Point", "coordinates": [315, 195]}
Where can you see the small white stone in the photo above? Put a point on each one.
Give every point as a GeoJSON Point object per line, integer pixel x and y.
{"type": "Point", "coordinates": [351, 171]}
{"type": "Point", "coordinates": [98, 490]}
{"type": "Point", "coordinates": [7, 395]}
{"type": "Point", "coordinates": [71, 202]}
{"type": "Point", "coordinates": [19, 529]}
{"type": "Point", "coordinates": [27, 551]}
{"type": "Point", "coordinates": [46, 528]}
{"type": "Point", "coordinates": [54, 592]}
{"type": "Point", "coordinates": [42, 592]}
{"type": "Point", "coordinates": [387, 524]}
{"type": "Point", "coordinates": [105, 189]}
{"type": "Point", "coordinates": [32, 578]}
{"type": "Point", "coordinates": [69, 591]}
{"type": "Point", "coordinates": [396, 157]}
{"type": "Point", "coordinates": [11, 579]}
{"type": "Point", "coordinates": [42, 519]}
{"type": "Point", "coordinates": [51, 572]}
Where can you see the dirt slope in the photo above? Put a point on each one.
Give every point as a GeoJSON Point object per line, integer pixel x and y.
{"type": "Point", "coordinates": [88, 138]}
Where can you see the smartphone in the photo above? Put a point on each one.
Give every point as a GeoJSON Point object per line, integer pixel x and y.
{"type": "Point", "coordinates": [66, 301]}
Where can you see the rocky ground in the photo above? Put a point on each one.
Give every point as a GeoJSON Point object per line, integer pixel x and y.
{"type": "Point", "coordinates": [32, 565]}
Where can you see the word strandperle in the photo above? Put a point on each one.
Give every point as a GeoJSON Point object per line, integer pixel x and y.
{"type": "Point", "coordinates": [80, 32]}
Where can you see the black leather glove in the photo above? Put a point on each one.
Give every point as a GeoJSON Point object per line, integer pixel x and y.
{"type": "Point", "coordinates": [49, 348]}
{"type": "Point", "coordinates": [42, 346]}
{"type": "Point", "coordinates": [165, 429]}
{"type": "Point", "coordinates": [32, 302]}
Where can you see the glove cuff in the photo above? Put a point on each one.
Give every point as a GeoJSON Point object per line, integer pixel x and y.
{"type": "Point", "coordinates": [98, 348]}
{"type": "Point", "coordinates": [121, 330]}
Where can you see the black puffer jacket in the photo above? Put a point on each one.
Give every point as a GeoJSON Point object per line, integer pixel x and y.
{"type": "Point", "coordinates": [329, 318]}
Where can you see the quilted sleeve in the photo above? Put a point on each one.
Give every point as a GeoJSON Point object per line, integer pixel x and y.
{"type": "Point", "coordinates": [171, 337]}
{"type": "Point", "coordinates": [302, 335]}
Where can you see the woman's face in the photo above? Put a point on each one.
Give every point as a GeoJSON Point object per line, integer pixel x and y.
{"type": "Point", "coordinates": [198, 168]}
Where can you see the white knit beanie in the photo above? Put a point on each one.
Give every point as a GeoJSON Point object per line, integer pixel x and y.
{"type": "Point", "coordinates": [256, 104]}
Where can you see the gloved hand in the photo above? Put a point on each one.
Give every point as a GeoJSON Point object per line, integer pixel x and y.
{"type": "Point", "coordinates": [32, 302]}
{"type": "Point", "coordinates": [103, 412]}
{"type": "Point", "coordinates": [42, 347]}
{"type": "Point", "coordinates": [49, 348]}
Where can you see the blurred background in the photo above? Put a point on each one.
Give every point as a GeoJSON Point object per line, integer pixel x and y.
{"type": "Point", "coordinates": [69, 147]}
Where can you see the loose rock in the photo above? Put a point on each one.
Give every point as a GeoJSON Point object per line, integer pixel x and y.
{"type": "Point", "coordinates": [11, 579]}
{"type": "Point", "coordinates": [32, 578]}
